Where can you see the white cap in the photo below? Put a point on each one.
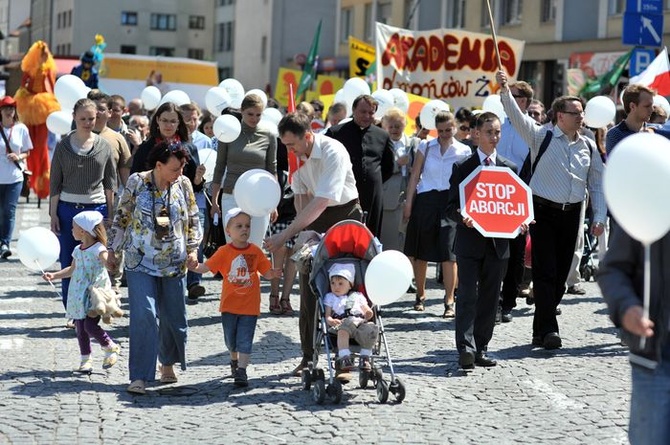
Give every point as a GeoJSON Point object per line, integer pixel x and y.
{"type": "Point", "coordinates": [346, 271]}
{"type": "Point", "coordinates": [230, 214]}
{"type": "Point", "coordinates": [88, 219]}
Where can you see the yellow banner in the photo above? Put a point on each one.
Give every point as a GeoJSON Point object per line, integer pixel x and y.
{"type": "Point", "coordinates": [284, 77]}
{"type": "Point", "coordinates": [173, 69]}
{"type": "Point", "coordinates": [328, 84]}
{"type": "Point", "coordinates": [361, 57]}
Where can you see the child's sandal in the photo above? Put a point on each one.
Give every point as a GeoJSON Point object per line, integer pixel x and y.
{"type": "Point", "coordinates": [275, 308]}
{"type": "Point", "coordinates": [286, 308]}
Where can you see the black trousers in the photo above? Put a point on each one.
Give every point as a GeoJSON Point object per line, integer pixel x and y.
{"type": "Point", "coordinates": [514, 273]}
{"type": "Point", "coordinates": [553, 238]}
{"type": "Point", "coordinates": [478, 292]}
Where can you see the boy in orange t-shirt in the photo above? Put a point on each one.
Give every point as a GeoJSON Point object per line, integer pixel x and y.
{"type": "Point", "coordinates": [239, 262]}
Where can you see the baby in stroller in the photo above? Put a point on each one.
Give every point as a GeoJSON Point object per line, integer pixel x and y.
{"type": "Point", "coordinates": [348, 314]}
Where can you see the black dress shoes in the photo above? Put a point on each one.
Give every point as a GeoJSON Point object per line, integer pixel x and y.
{"type": "Point", "coordinates": [466, 360]}
{"type": "Point", "coordinates": [552, 341]}
{"type": "Point", "coordinates": [481, 359]}
{"type": "Point", "coordinates": [506, 315]}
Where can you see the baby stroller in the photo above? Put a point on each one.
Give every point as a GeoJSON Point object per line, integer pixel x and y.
{"type": "Point", "coordinates": [346, 242]}
{"type": "Point", "coordinates": [588, 268]}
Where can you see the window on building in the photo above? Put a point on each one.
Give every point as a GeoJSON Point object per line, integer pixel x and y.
{"type": "Point", "coordinates": [346, 24]}
{"type": "Point", "coordinates": [161, 51]}
{"type": "Point", "coordinates": [548, 11]}
{"type": "Point", "coordinates": [384, 12]}
{"type": "Point", "coordinates": [485, 14]}
{"type": "Point", "coordinates": [128, 49]}
{"type": "Point", "coordinates": [58, 21]}
{"type": "Point", "coordinates": [367, 17]}
{"type": "Point", "coordinates": [128, 18]}
{"type": "Point", "coordinates": [512, 12]}
{"type": "Point", "coordinates": [164, 22]}
{"type": "Point", "coordinates": [455, 14]}
{"type": "Point", "coordinates": [616, 7]}
{"type": "Point", "coordinates": [225, 72]}
{"type": "Point", "coordinates": [264, 49]}
{"type": "Point", "coordinates": [68, 49]}
{"type": "Point", "coordinates": [224, 41]}
{"type": "Point", "coordinates": [196, 53]}
{"type": "Point", "coordinates": [196, 22]}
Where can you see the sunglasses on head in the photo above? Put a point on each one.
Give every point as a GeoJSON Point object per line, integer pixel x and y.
{"type": "Point", "coordinates": [464, 128]}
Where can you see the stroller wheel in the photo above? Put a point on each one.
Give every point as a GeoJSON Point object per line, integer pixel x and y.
{"type": "Point", "coordinates": [306, 380]}
{"type": "Point", "coordinates": [382, 391]}
{"type": "Point", "coordinates": [319, 392]}
{"type": "Point", "coordinates": [398, 389]}
{"type": "Point", "coordinates": [378, 374]}
{"type": "Point", "coordinates": [334, 391]}
{"type": "Point", "coordinates": [363, 379]}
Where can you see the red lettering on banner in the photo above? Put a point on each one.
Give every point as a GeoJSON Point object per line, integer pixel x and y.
{"type": "Point", "coordinates": [451, 59]}
{"type": "Point", "coordinates": [436, 55]}
{"type": "Point", "coordinates": [470, 54]}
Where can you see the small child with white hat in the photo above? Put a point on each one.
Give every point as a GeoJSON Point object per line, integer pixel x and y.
{"type": "Point", "coordinates": [88, 269]}
{"type": "Point", "coordinates": [348, 312]}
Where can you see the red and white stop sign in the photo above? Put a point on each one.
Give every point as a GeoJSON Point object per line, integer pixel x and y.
{"type": "Point", "coordinates": [497, 200]}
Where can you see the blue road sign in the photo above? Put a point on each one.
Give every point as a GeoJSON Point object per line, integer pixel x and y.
{"type": "Point", "coordinates": [645, 6]}
{"type": "Point", "coordinates": [642, 29]}
{"type": "Point", "coordinates": [640, 60]}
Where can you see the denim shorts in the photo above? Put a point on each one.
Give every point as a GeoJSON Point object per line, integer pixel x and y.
{"type": "Point", "coordinates": [238, 331]}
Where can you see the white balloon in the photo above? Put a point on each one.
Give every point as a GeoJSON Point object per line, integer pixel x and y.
{"type": "Point", "coordinates": [216, 100]}
{"type": "Point", "coordinates": [493, 104]}
{"type": "Point", "coordinates": [400, 99]}
{"type": "Point", "coordinates": [663, 103]}
{"type": "Point", "coordinates": [38, 248]}
{"type": "Point", "coordinates": [272, 115]}
{"type": "Point", "coordinates": [177, 97]}
{"type": "Point", "coordinates": [387, 277]}
{"type": "Point", "coordinates": [226, 128]}
{"type": "Point", "coordinates": [636, 183]}
{"type": "Point", "coordinates": [151, 97]}
{"type": "Point", "coordinates": [235, 89]}
{"type": "Point", "coordinates": [384, 100]}
{"type": "Point", "coordinates": [355, 87]}
{"type": "Point", "coordinates": [259, 93]}
{"type": "Point", "coordinates": [68, 90]}
{"type": "Point", "coordinates": [207, 158]}
{"type": "Point", "coordinates": [341, 97]}
{"type": "Point", "coordinates": [267, 124]}
{"type": "Point", "coordinates": [60, 122]}
{"type": "Point", "coordinates": [429, 111]}
{"type": "Point", "coordinates": [599, 112]}
{"type": "Point", "coordinates": [257, 192]}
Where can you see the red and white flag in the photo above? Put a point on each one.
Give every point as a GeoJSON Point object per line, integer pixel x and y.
{"type": "Point", "coordinates": [657, 75]}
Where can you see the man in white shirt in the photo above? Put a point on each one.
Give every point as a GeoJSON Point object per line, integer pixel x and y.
{"type": "Point", "coordinates": [325, 193]}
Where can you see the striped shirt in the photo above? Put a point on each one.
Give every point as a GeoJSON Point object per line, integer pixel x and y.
{"type": "Point", "coordinates": [86, 175]}
{"type": "Point", "coordinates": [566, 169]}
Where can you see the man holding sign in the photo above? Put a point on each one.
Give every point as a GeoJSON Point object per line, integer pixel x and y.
{"type": "Point", "coordinates": [481, 260]}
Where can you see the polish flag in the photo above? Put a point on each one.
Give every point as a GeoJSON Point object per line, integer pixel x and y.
{"type": "Point", "coordinates": [657, 75]}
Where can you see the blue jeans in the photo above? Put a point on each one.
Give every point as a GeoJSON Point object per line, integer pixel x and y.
{"type": "Point", "coordinates": [66, 211]}
{"type": "Point", "coordinates": [193, 278]}
{"type": "Point", "coordinates": [9, 198]}
{"type": "Point", "coordinates": [150, 340]}
{"type": "Point", "coordinates": [650, 403]}
{"type": "Point", "coordinates": [238, 331]}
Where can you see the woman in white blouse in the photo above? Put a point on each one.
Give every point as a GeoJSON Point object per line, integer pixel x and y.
{"type": "Point", "coordinates": [430, 234]}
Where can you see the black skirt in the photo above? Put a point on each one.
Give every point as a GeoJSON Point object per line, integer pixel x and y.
{"type": "Point", "coordinates": [430, 234]}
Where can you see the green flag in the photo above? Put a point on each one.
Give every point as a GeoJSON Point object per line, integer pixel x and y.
{"type": "Point", "coordinates": [594, 86]}
{"type": "Point", "coordinates": [309, 71]}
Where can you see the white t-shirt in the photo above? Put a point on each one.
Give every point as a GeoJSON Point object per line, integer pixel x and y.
{"type": "Point", "coordinates": [437, 167]}
{"type": "Point", "coordinates": [355, 300]}
{"type": "Point", "coordinates": [19, 142]}
{"type": "Point", "coordinates": [327, 173]}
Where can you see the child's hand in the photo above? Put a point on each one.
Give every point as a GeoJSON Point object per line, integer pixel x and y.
{"type": "Point", "coordinates": [48, 276]}
{"type": "Point", "coordinates": [276, 273]}
{"type": "Point", "coordinates": [334, 322]}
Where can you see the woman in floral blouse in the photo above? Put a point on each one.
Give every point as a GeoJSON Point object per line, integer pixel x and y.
{"type": "Point", "coordinates": [157, 226]}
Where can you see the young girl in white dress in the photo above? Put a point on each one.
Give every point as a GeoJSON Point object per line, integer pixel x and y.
{"type": "Point", "coordinates": [88, 269]}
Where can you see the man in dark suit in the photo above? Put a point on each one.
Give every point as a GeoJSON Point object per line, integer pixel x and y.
{"type": "Point", "coordinates": [481, 261]}
{"type": "Point", "coordinates": [371, 152]}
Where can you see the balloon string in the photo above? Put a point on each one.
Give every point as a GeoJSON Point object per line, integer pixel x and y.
{"type": "Point", "coordinates": [50, 282]}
